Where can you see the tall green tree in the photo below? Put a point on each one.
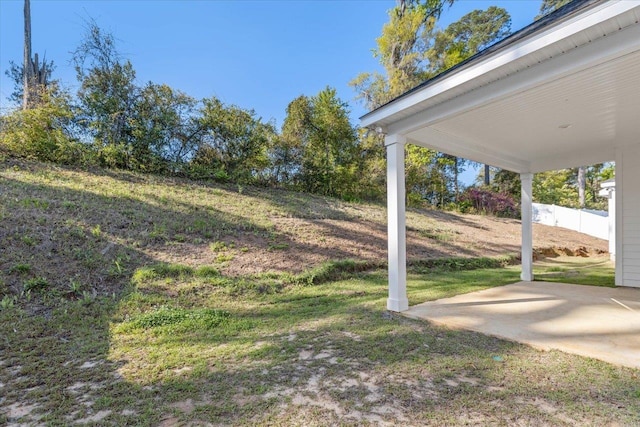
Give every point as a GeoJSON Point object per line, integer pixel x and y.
{"type": "Point", "coordinates": [235, 141]}
{"type": "Point", "coordinates": [464, 38]}
{"type": "Point", "coordinates": [411, 49]}
{"type": "Point", "coordinates": [107, 94]}
{"type": "Point", "coordinates": [318, 131]}
{"type": "Point", "coordinates": [165, 129]}
{"type": "Point", "coordinates": [400, 49]}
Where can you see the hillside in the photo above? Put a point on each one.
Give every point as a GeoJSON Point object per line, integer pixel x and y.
{"type": "Point", "coordinates": [131, 299]}
{"type": "Point", "coordinates": [96, 227]}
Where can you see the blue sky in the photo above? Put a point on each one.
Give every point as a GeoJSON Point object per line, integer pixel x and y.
{"type": "Point", "coordinates": [255, 54]}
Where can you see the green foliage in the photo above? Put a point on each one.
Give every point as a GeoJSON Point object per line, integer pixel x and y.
{"type": "Point", "coordinates": [235, 141]}
{"type": "Point", "coordinates": [42, 132]}
{"type": "Point", "coordinates": [36, 284]}
{"type": "Point", "coordinates": [20, 268]}
{"type": "Point", "coordinates": [206, 271]}
{"type": "Point", "coordinates": [400, 49]}
{"type": "Point", "coordinates": [7, 302]}
{"type": "Point", "coordinates": [317, 135]}
{"type": "Point", "coordinates": [466, 37]}
{"type": "Point", "coordinates": [107, 97]}
{"type": "Point", "coordinates": [329, 271]}
{"type": "Point", "coordinates": [165, 128]}
{"type": "Point", "coordinates": [411, 50]}
{"type": "Point", "coordinates": [162, 270]}
{"type": "Point", "coordinates": [196, 318]}
{"type": "Point", "coordinates": [462, 264]}
{"type": "Point", "coordinates": [554, 188]}
{"type": "Point", "coordinates": [558, 187]}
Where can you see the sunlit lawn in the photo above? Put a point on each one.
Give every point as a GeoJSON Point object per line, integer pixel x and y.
{"type": "Point", "coordinates": [191, 346]}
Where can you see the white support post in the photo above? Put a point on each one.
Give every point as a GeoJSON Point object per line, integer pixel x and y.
{"type": "Point", "coordinates": [619, 262]}
{"type": "Point", "coordinates": [396, 224]}
{"type": "Point", "coordinates": [526, 180]}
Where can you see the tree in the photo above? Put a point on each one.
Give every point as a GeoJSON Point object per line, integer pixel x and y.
{"type": "Point", "coordinates": [582, 182]}
{"type": "Point", "coordinates": [461, 40]}
{"type": "Point", "coordinates": [42, 131]}
{"type": "Point", "coordinates": [15, 73]}
{"type": "Point", "coordinates": [400, 50]}
{"type": "Point", "coordinates": [35, 76]}
{"type": "Point", "coordinates": [107, 96]}
{"type": "Point", "coordinates": [411, 50]}
{"type": "Point", "coordinates": [318, 134]}
{"type": "Point", "coordinates": [165, 128]}
{"type": "Point", "coordinates": [549, 6]}
{"type": "Point", "coordinates": [464, 38]}
{"type": "Point", "coordinates": [235, 141]}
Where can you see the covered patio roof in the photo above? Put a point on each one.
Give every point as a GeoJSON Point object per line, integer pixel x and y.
{"type": "Point", "coordinates": [563, 92]}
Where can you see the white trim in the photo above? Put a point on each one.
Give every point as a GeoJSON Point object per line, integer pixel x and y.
{"type": "Point", "coordinates": [619, 169]}
{"type": "Point", "coordinates": [526, 180]}
{"type": "Point", "coordinates": [396, 223]}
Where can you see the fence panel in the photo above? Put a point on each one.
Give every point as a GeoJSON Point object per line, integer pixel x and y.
{"type": "Point", "coordinates": [593, 223]}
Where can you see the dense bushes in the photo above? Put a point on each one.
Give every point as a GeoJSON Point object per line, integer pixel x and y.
{"type": "Point", "coordinates": [485, 201]}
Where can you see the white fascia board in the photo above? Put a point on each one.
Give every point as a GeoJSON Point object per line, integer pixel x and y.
{"type": "Point", "coordinates": [455, 146]}
{"type": "Point", "coordinates": [520, 49]}
{"type": "Point", "coordinates": [586, 56]}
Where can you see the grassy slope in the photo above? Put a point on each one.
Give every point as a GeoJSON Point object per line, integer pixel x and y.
{"type": "Point", "coordinates": [118, 339]}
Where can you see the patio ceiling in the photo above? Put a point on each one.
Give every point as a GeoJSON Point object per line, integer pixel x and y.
{"type": "Point", "coordinates": [563, 95]}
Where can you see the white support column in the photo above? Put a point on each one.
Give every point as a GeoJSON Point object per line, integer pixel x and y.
{"type": "Point", "coordinates": [396, 224]}
{"type": "Point", "coordinates": [526, 180]}
{"type": "Point", "coordinates": [619, 262]}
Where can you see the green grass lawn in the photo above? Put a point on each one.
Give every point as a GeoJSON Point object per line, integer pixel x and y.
{"type": "Point", "coordinates": [95, 330]}
{"type": "Point", "coordinates": [187, 346]}
{"type": "Point", "coordinates": [599, 271]}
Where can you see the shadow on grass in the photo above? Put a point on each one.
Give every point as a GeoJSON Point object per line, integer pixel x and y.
{"type": "Point", "coordinates": [322, 354]}
{"type": "Point", "coordinates": [295, 355]}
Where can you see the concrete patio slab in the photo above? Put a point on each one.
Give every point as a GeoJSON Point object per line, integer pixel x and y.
{"type": "Point", "coordinates": [603, 323]}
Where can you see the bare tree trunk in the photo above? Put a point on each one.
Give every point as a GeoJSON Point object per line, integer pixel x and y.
{"type": "Point", "coordinates": [582, 180]}
{"type": "Point", "coordinates": [487, 176]}
{"type": "Point", "coordinates": [455, 178]}
{"type": "Point", "coordinates": [26, 68]}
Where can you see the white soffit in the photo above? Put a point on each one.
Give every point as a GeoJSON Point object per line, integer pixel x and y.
{"type": "Point", "coordinates": [572, 121]}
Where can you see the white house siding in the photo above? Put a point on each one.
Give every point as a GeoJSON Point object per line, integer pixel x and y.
{"type": "Point", "coordinates": [630, 217]}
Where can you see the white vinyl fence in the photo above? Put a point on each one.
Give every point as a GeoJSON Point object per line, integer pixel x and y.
{"type": "Point", "coordinates": [593, 223]}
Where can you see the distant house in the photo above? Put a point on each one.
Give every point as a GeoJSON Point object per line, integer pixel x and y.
{"type": "Point", "coordinates": [562, 92]}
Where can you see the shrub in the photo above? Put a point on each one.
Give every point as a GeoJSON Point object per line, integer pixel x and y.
{"type": "Point", "coordinates": [491, 203]}
{"type": "Point", "coordinates": [42, 132]}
